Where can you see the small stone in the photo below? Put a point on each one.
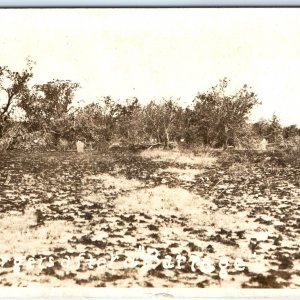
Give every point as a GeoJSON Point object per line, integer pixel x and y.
{"type": "Point", "coordinates": [80, 146]}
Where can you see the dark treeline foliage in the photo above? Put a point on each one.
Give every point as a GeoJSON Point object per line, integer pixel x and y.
{"type": "Point", "coordinates": [215, 118]}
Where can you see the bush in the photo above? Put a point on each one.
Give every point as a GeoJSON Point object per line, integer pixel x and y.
{"type": "Point", "coordinates": [12, 135]}
{"type": "Point", "coordinates": [4, 144]}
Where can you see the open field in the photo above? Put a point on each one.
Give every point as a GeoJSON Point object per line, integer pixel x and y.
{"type": "Point", "coordinates": [238, 204]}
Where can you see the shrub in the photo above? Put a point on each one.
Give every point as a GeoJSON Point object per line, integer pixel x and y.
{"type": "Point", "coordinates": [4, 144]}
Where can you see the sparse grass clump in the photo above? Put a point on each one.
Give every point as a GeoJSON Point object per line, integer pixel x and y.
{"type": "Point", "coordinates": [239, 169]}
{"type": "Point", "coordinates": [203, 159]}
{"type": "Point", "coordinates": [120, 183]}
{"type": "Point", "coordinates": [163, 200]}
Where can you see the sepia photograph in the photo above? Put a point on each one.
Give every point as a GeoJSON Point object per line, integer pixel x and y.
{"type": "Point", "coordinates": [150, 148]}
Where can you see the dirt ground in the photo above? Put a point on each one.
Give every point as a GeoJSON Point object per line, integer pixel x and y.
{"type": "Point", "coordinates": [135, 220]}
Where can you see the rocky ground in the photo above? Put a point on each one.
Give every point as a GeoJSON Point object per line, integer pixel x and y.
{"type": "Point", "coordinates": [92, 219]}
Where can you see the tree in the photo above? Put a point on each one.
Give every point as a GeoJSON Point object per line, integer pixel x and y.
{"type": "Point", "coordinates": [12, 86]}
{"type": "Point", "coordinates": [160, 121]}
{"type": "Point", "coordinates": [275, 130]}
{"type": "Point", "coordinates": [89, 123]}
{"type": "Point", "coordinates": [219, 118]}
{"type": "Point", "coordinates": [107, 119]}
{"type": "Point", "coordinates": [47, 105]}
{"type": "Point", "coordinates": [291, 131]}
{"type": "Point", "coordinates": [127, 126]}
{"type": "Point", "coordinates": [262, 128]}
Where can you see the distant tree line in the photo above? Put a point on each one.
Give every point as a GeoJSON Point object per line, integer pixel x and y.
{"type": "Point", "coordinates": [215, 118]}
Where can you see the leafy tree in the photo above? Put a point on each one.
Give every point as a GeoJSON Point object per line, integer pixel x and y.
{"type": "Point", "coordinates": [160, 121]}
{"type": "Point", "coordinates": [262, 128]}
{"type": "Point", "coordinates": [290, 131]}
{"type": "Point", "coordinates": [219, 118]}
{"type": "Point", "coordinates": [111, 111]}
{"type": "Point", "coordinates": [89, 123]}
{"type": "Point", "coordinates": [126, 126]}
{"type": "Point", "coordinates": [106, 120]}
{"type": "Point", "coordinates": [275, 130]}
{"type": "Point", "coordinates": [12, 86]}
{"type": "Point", "coordinates": [47, 105]}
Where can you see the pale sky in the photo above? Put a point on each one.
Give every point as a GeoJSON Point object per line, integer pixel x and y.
{"type": "Point", "coordinates": [155, 53]}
